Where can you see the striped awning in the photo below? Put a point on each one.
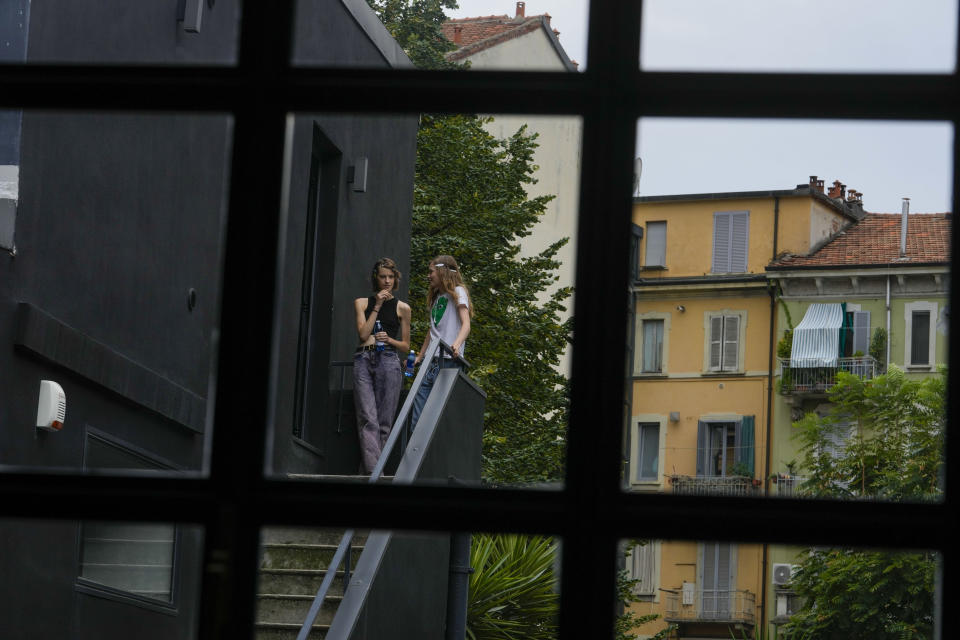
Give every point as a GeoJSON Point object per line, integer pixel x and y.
{"type": "Point", "coordinates": [816, 340]}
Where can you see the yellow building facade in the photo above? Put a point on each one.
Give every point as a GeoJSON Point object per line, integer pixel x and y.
{"type": "Point", "coordinates": [699, 404]}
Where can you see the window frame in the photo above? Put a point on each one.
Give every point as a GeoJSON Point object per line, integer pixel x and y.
{"type": "Point", "coordinates": [909, 309]}
{"type": "Point", "coordinates": [232, 499]}
{"type": "Point", "coordinates": [724, 314]}
{"type": "Point", "coordinates": [640, 322]}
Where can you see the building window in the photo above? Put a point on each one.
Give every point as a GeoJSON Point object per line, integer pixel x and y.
{"type": "Point", "coordinates": [920, 338]}
{"type": "Point", "coordinates": [136, 558]}
{"type": "Point", "coordinates": [648, 452]}
{"type": "Point", "coordinates": [642, 567]}
{"type": "Point", "coordinates": [651, 343]}
{"type": "Point", "coordinates": [656, 255]}
{"type": "Point", "coordinates": [730, 237]}
{"type": "Point", "coordinates": [726, 448]}
{"type": "Point", "coordinates": [652, 361]}
{"type": "Point", "coordinates": [859, 341]}
{"type": "Point", "coordinates": [724, 341]}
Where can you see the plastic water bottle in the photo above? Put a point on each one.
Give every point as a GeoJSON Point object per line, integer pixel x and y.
{"type": "Point", "coordinates": [410, 360]}
{"type": "Point", "coordinates": [377, 328]}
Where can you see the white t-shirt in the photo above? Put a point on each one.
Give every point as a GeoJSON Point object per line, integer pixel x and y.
{"type": "Point", "coordinates": [444, 319]}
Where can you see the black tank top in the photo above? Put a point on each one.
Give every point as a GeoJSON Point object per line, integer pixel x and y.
{"type": "Point", "coordinates": [387, 315]}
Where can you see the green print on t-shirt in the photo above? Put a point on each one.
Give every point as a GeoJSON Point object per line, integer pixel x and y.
{"type": "Point", "coordinates": [438, 308]}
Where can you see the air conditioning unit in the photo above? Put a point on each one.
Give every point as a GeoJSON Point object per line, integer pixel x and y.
{"type": "Point", "coordinates": [783, 573]}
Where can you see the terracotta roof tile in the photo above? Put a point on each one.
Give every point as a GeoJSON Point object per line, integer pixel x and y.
{"type": "Point", "coordinates": [476, 34]}
{"type": "Point", "coordinates": [875, 240]}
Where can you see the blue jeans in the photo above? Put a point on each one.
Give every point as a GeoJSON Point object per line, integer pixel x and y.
{"type": "Point", "coordinates": [376, 389]}
{"type": "Point", "coordinates": [427, 385]}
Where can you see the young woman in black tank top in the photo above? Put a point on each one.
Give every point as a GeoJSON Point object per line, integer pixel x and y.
{"type": "Point", "coordinates": [377, 375]}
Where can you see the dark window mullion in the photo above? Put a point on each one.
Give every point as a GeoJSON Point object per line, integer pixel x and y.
{"type": "Point", "coordinates": [246, 321]}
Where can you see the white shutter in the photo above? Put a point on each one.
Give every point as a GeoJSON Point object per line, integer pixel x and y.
{"type": "Point", "coordinates": [731, 342]}
{"type": "Point", "coordinates": [721, 242]}
{"type": "Point", "coordinates": [644, 565]}
{"type": "Point", "coordinates": [716, 341]}
{"type": "Point", "coordinates": [861, 331]}
{"type": "Point", "coordinates": [739, 237]}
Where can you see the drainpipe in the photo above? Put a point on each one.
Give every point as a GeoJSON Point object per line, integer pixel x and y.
{"type": "Point", "coordinates": [458, 586]}
{"type": "Point", "coordinates": [766, 462]}
{"type": "Point", "coordinates": [889, 337]}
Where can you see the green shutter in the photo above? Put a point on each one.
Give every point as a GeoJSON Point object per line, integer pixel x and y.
{"type": "Point", "coordinates": [745, 442]}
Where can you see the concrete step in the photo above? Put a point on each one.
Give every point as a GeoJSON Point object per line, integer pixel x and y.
{"type": "Point", "coordinates": [297, 582]}
{"type": "Point", "coordinates": [302, 556]}
{"type": "Point", "coordinates": [292, 609]}
{"type": "Point", "coordinates": [319, 477]}
{"type": "Point", "coordinates": [287, 631]}
{"type": "Point", "coordinates": [308, 535]}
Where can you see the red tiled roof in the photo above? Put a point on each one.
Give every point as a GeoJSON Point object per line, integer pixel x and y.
{"type": "Point", "coordinates": [875, 240]}
{"type": "Point", "coordinates": [477, 34]}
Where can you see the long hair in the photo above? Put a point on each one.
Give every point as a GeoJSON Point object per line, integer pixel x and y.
{"type": "Point", "coordinates": [450, 278]}
{"type": "Point", "coordinates": [384, 263]}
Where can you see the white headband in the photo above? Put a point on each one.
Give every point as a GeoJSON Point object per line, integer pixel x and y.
{"type": "Point", "coordinates": [440, 264]}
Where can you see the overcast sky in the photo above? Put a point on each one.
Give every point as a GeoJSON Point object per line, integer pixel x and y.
{"type": "Point", "coordinates": [884, 160]}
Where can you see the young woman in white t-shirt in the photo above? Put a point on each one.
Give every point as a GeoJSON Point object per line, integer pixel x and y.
{"type": "Point", "coordinates": [450, 311]}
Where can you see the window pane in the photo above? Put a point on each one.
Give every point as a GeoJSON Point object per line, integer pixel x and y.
{"type": "Point", "coordinates": [761, 590]}
{"type": "Point", "coordinates": [96, 579]}
{"type": "Point", "coordinates": [434, 36]}
{"type": "Point", "coordinates": [188, 32]}
{"type": "Point", "coordinates": [814, 36]}
{"type": "Point", "coordinates": [383, 195]}
{"type": "Point", "coordinates": [514, 582]}
{"type": "Point", "coordinates": [136, 558]}
{"type": "Point", "coordinates": [764, 362]}
{"type": "Point", "coordinates": [110, 228]}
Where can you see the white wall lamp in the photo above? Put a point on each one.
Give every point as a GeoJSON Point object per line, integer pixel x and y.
{"type": "Point", "coordinates": [681, 308]}
{"type": "Point", "coordinates": [674, 416]}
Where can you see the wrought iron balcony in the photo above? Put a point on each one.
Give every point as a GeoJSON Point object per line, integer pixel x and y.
{"type": "Point", "coordinates": [715, 485]}
{"type": "Point", "coordinates": [711, 605]}
{"type": "Point", "coordinates": [787, 486]}
{"type": "Point", "coordinates": [802, 380]}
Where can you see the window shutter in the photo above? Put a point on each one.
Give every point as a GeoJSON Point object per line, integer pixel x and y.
{"type": "Point", "coordinates": [731, 342]}
{"type": "Point", "coordinates": [861, 331]}
{"type": "Point", "coordinates": [644, 563]}
{"type": "Point", "coordinates": [703, 448]}
{"type": "Point", "coordinates": [656, 244]}
{"type": "Point", "coordinates": [716, 341]}
{"type": "Point", "coordinates": [739, 237]}
{"type": "Point", "coordinates": [745, 442]}
{"type": "Point", "coordinates": [721, 242]}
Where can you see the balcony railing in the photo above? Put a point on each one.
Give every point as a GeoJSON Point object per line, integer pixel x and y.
{"type": "Point", "coordinates": [786, 486]}
{"type": "Point", "coordinates": [711, 606]}
{"type": "Point", "coordinates": [798, 380]}
{"type": "Point", "coordinates": [714, 485]}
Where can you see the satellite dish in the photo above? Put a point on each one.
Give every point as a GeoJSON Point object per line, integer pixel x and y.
{"type": "Point", "coordinates": [637, 169]}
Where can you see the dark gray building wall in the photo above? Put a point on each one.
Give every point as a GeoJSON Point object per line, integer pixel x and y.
{"type": "Point", "coordinates": [120, 216]}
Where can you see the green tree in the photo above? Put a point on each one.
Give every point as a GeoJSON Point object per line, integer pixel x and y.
{"type": "Point", "coordinates": [470, 202]}
{"type": "Point", "coordinates": [883, 440]}
{"type": "Point", "coordinates": [415, 25]}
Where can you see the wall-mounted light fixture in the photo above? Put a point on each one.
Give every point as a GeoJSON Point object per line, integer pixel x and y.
{"type": "Point", "coordinates": [357, 174]}
{"type": "Point", "coordinates": [681, 308]}
{"type": "Point", "coordinates": [674, 416]}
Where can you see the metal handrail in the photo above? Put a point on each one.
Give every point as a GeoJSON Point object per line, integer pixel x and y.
{"type": "Point", "coordinates": [344, 546]}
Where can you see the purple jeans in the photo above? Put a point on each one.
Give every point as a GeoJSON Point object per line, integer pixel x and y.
{"type": "Point", "coordinates": [376, 390]}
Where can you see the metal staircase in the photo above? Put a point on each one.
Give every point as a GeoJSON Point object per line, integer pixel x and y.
{"type": "Point", "coordinates": [293, 564]}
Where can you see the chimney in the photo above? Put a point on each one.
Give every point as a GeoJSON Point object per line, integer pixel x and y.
{"type": "Point", "coordinates": [521, 9]}
{"type": "Point", "coordinates": [816, 185]}
{"type": "Point", "coordinates": [457, 34]}
{"type": "Point", "coordinates": [904, 212]}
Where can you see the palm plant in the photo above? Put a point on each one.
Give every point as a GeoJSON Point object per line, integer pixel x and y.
{"type": "Point", "coordinates": [513, 592]}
